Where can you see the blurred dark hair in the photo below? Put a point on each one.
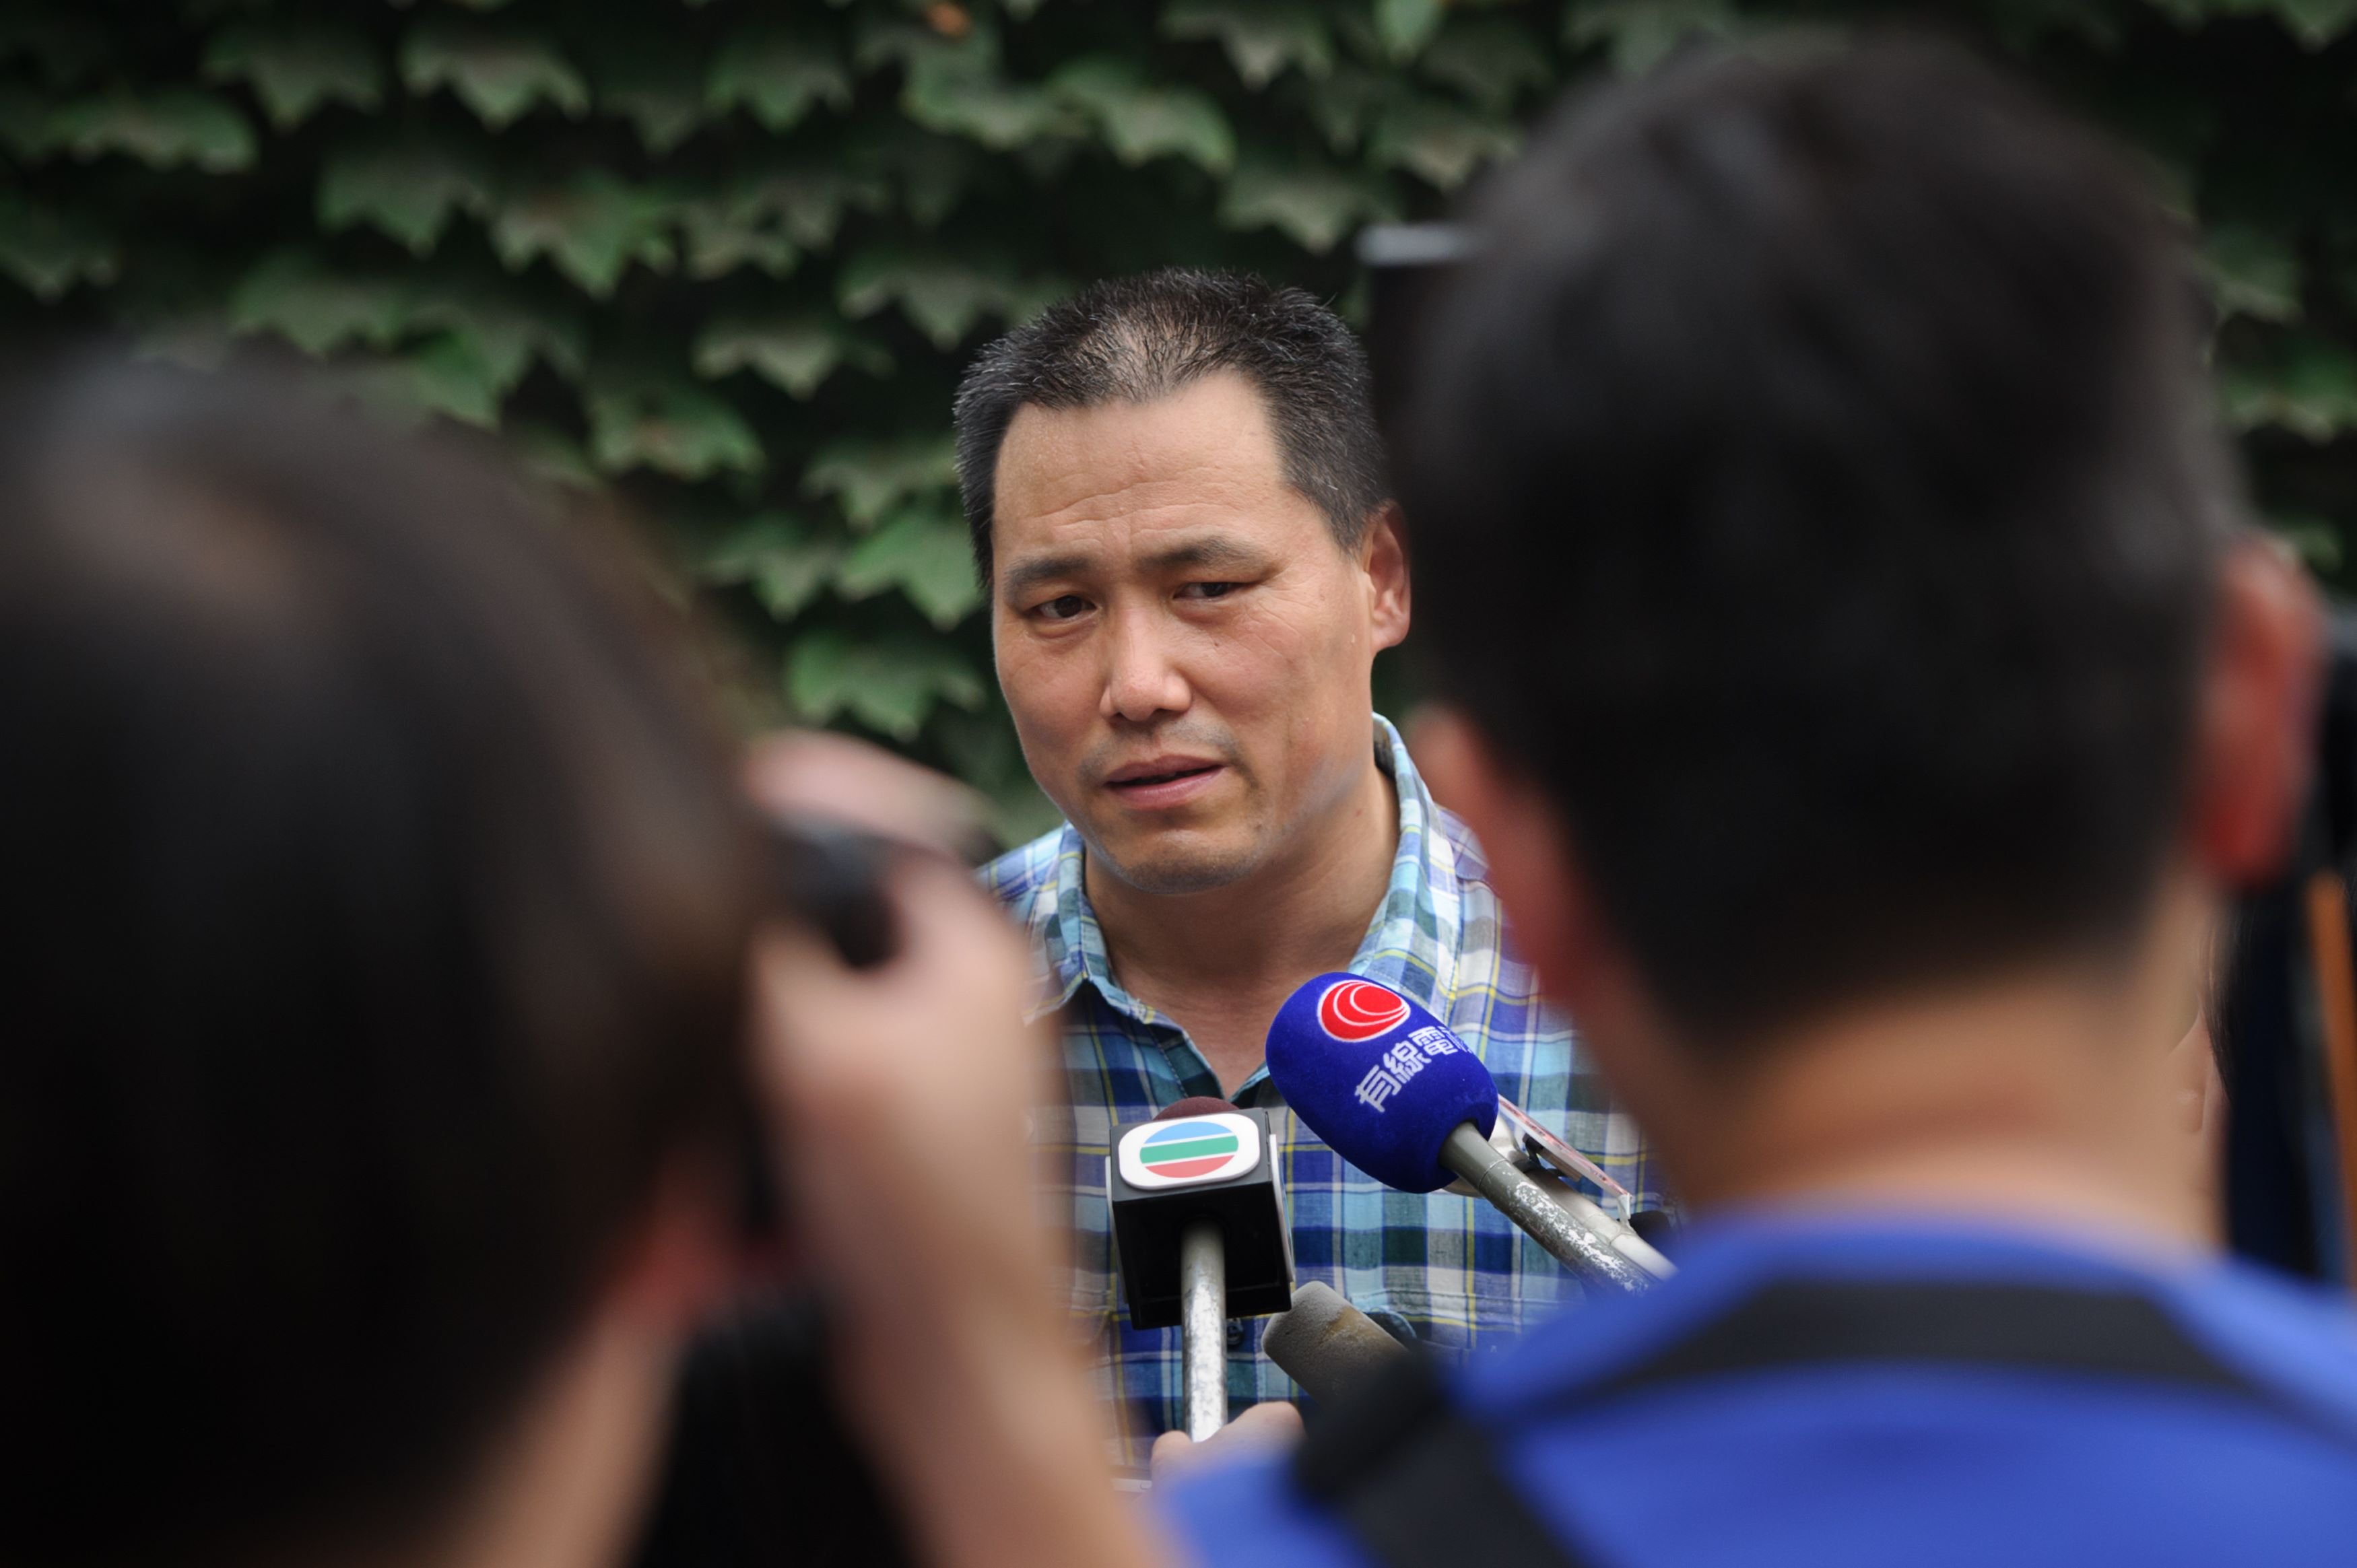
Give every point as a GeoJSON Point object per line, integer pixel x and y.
{"type": "Point", "coordinates": [1136, 340]}
{"type": "Point", "coordinates": [377, 905]}
{"type": "Point", "coordinates": [1813, 489]}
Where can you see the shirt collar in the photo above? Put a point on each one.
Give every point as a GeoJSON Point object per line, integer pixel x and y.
{"type": "Point", "coordinates": [1411, 944]}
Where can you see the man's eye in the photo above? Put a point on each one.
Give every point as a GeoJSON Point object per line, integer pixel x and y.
{"type": "Point", "coordinates": [1063, 607]}
{"type": "Point", "coordinates": [1207, 590]}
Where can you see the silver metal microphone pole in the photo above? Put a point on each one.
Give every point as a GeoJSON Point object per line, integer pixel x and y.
{"type": "Point", "coordinates": [1204, 1327]}
{"type": "Point", "coordinates": [1586, 1252]}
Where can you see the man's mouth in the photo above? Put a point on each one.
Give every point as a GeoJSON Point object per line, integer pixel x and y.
{"type": "Point", "coordinates": [1159, 775]}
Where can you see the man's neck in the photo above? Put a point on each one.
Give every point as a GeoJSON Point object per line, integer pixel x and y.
{"type": "Point", "coordinates": [2045, 1102]}
{"type": "Point", "coordinates": [1221, 962]}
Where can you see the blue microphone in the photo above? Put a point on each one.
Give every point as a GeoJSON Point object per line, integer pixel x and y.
{"type": "Point", "coordinates": [1395, 1092]}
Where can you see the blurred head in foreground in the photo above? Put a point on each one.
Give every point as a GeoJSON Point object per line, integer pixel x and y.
{"type": "Point", "coordinates": [376, 917]}
{"type": "Point", "coordinates": [1831, 561]}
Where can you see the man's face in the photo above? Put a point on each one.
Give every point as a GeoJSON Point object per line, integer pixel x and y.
{"type": "Point", "coordinates": [1184, 648]}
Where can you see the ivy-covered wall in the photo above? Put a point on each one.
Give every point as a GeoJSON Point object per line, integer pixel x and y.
{"type": "Point", "coordinates": [730, 257]}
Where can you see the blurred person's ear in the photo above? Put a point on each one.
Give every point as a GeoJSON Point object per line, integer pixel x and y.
{"type": "Point", "coordinates": [678, 1262]}
{"type": "Point", "coordinates": [1383, 556]}
{"type": "Point", "coordinates": [2254, 745]}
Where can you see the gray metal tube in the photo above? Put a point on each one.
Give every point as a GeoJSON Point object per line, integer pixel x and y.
{"type": "Point", "coordinates": [1326, 1344]}
{"type": "Point", "coordinates": [1591, 1256]}
{"type": "Point", "coordinates": [1204, 1327]}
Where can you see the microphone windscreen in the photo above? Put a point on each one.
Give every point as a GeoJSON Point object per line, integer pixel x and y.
{"type": "Point", "coordinates": [1193, 1105]}
{"type": "Point", "coordinates": [1377, 1076]}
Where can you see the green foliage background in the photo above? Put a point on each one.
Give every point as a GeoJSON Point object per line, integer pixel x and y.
{"type": "Point", "coordinates": [728, 258]}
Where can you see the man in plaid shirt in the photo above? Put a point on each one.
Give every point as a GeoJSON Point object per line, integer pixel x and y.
{"type": "Point", "coordinates": [1178, 500]}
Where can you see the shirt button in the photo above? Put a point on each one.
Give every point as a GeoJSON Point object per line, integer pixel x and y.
{"type": "Point", "coordinates": [1235, 1332]}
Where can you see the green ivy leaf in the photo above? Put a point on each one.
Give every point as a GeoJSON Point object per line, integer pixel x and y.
{"type": "Point", "coordinates": [1490, 59]}
{"type": "Point", "coordinates": [500, 75]}
{"type": "Point", "coordinates": [722, 236]}
{"type": "Point", "coordinates": [452, 375]}
{"type": "Point", "coordinates": [923, 553]}
{"type": "Point", "coordinates": [2307, 384]}
{"type": "Point", "coordinates": [162, 130]}
{"type": "Point", "coordinates": [1442, 143]}
{"type": "Point", "coordinates": [868, 476]}
{"type": "Point", "coordinates": [942, 296]}
{"type": "Point", "coordinates": [653, 79]}
{"type": "Point", "coordinates": [1314, 206]}
{"type": "Point", "coordinates": [1262, 37]}
{"type": "Point", "coordinates": [407, 188]}
{"type": "Point", "coordinates": [889, 684]}
{"type": "Point", "coordinates": [1142, 122]}
{"type": "Point", "coordinates": [778, 75]}
{"type": "Point", "coordinates": [293, 67]}
{"type": "Point", "coordinates": [506, 329]}
{"type": "Point", "coordinates": [2315, 539]}
{"type": "Point", "coordinates": [807, 202]}
{"type": "Point", "coordinates": [49, 251]}
{"type": "Point", "coordinates": [797, 353]}
{"type": "Point", "coordinates": [1640, 34]}
{"type": "Point", "coordinates": [778, 557]}
{"type": "Point", "coordinates": [2252, 273]}
{"type": "Point", "coordinates": [1340, 102]}
{"type": "Point", "coordinates": [1404, 26]}
{"type": "Point", "coordinates": [552, 455]}
{"type": "Point", "coordinates": [674, 426]}
{"type": "Point", "coordinates": [592, 226]}
{"type": "Point", "coordinates": [318, 308]}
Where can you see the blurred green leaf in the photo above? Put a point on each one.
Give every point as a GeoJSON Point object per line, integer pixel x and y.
{"type": "Point", "coordinates": [1142, 122]}
{"type": "Point", "coordinates": [1315, 206]}
{"type": "Point", "coordinates": [49, 252]}
{"type": "Point", "coordinates": [408, 188]}
{"type": "Point", "coordinates": [2306, 384]}
{"type": "Point", "coordinates": [500, 73]}
{"type": "Point", "coordinates": [778, 75]}
{"type": "Point", "coordinates": [797, 353]}
{"type": "Point", "coordinates": [506, 329]}
{"type": "Point", "coordinates": [454, 376]}
{"type": "Point", "coordinates": [592, 225]}
{"type": "Point", "coordinates": [722, 236]}
{"type": "Point", "coordinates": [553, 455]}
{"type": "Point", "coordinates": [1341, 103]}
{"type": "Point", "coordinates": [889, 684]}
{"type": "Point", "coordinates": [1492, 61]}
{"type": "Point", "coordinates": [162, 130]}
{"type": "Point", "coordinates": [1439, 141]}
{"type": "Point", "coordinates": [294, 67]}
{"type": "Point", "coordinates": [942, 297]}
{"type": "Point", "coordinates": [316, 308]}
{"type": "Point", "coordinates": [778, 557]}
{"type": "Point", "coordinates": [674, 426]}
{"type": "Point", "coordinates": [923, 552]}
{"type": "Point", "coordinates": [652, 77]}
{"type": "Point", "coordinates": [2252, 273]}
{"type": "Point", "coordinates": [807, 201]}
{"type": "Point", "coordinates": [866, 477]}
{"type": "Point", "coordinates": [2315, 539]}
{"type": "Point", "coordinates": [1404, 26]}
{"type": "Point", "coordinates": [1640, 34]}
{"type": "Point", "coordinates": [1262, 37]}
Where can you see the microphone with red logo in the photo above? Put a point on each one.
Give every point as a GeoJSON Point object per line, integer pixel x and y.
{"type": "Point", "coordinates": [1392, 1090]}
{"type": "Point", "coordinates": [1199, 1231]}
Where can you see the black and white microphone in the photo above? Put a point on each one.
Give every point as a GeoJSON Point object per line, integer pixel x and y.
{"type": "Point", "coordinates": [1199, 1229]}
{"type": "Point", "coordinates": [1393, 1091]}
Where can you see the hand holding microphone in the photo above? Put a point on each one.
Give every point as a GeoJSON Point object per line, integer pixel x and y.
{"type": "Point", "coordinates": [1393, 1091]}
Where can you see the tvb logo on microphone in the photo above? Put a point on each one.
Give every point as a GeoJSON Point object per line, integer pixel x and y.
{"type": "Point", "coordinates": [1199, 1150]}
{"type": "Point", "coordinates": [1356, 1011]}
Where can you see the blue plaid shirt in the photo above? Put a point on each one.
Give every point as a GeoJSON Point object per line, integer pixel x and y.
{"type": "Point", "coordinates": [1449, 1268]}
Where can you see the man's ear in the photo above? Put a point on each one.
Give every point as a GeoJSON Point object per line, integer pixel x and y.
{"type": "Point", "coordinates": [1383, 555]}
{"type": "Point", "coordinates": [1531, 861]}
{"type": "Point", "coordinates": [676, 1262]}
{"type": "Point", "coordinates": [2254, 744]}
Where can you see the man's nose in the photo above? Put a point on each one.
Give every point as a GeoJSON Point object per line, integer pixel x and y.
{"type": "Point", "coordinates": [1141, 680]}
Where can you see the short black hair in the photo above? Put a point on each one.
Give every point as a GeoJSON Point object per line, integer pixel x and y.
{"type": "Point", "coordinates": [1813, 489]}
{"type": "Point", "coordinates": [1134, 339]}
{"type": "Point", "coordinates": [376, 919]}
